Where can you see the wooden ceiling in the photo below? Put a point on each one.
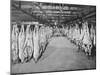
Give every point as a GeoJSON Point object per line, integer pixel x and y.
{"type": "Point", "coordinates": [49, 12]}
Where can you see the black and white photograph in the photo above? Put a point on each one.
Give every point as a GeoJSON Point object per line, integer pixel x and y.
{"type": "Point", "coordinates": [51, 37]}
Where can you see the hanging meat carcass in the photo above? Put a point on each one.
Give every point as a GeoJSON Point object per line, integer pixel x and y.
{"type": "Point", "coordinates": [87, 44]}
{"type": "Point", "coordinates": [66, 31]}
{"type": "Point", "coordinates": [47, 32]}
{"type": "Point", "coordinates": [50, 32]}
{"type": "Point", "coordinates": [36, 52]}
{"type": "Point", "coordinates": [28, 45]}
{"type": "Point", "coordinates": [70, 33]}
{"type": "Point", "coordinates": [43, 39]}
{"type": "Point", "coordinates": [14, 44]}
{"type": "Point", "coordinates": [91, 32]}
{"type": "Point", "coordinates": [93, 39]}
{"type": "Point", "coordinates": [76, 35]}
{"type": "Point", "coordinates": [21, 41]}
{"type": "Point", "coordinates": [93, 35]}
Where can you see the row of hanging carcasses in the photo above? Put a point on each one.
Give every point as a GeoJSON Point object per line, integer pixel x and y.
{"type": "Point", "coordinates": [28, 41]}
{"type": "Point", "coordinates": [83, 37]}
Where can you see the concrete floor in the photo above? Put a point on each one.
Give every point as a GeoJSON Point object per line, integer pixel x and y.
{"type": "Point", "coordinates": [60, 55]}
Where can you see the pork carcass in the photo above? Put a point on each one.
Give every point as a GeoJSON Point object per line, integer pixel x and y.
{"type": "Point", "coordinates": [28, 45]}
{"type": "Point", "coordinates": [14, 44]}
{"type": "Point", "coordinates": [36, 52]}
{"type": "Point", "coordinates": [21, 41]}
{"type": "Point", "coordinates": [87, 44]}
{"type": "Point", "coordinates": [43, 40]}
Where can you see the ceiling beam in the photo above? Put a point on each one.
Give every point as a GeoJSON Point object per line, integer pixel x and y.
{"type": "Point", "coordinates": [31, 15]}
{"type": "Point", "coordinates": [52, 7]}
{"type": "Point", "coordinates": [89, 15]}
{"type": "Point", "coordinates": [92, 13]}
{"type": "Point", "coordinates": [48, 14]}
{"type": "Point", "coordinates": [69, 5]}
